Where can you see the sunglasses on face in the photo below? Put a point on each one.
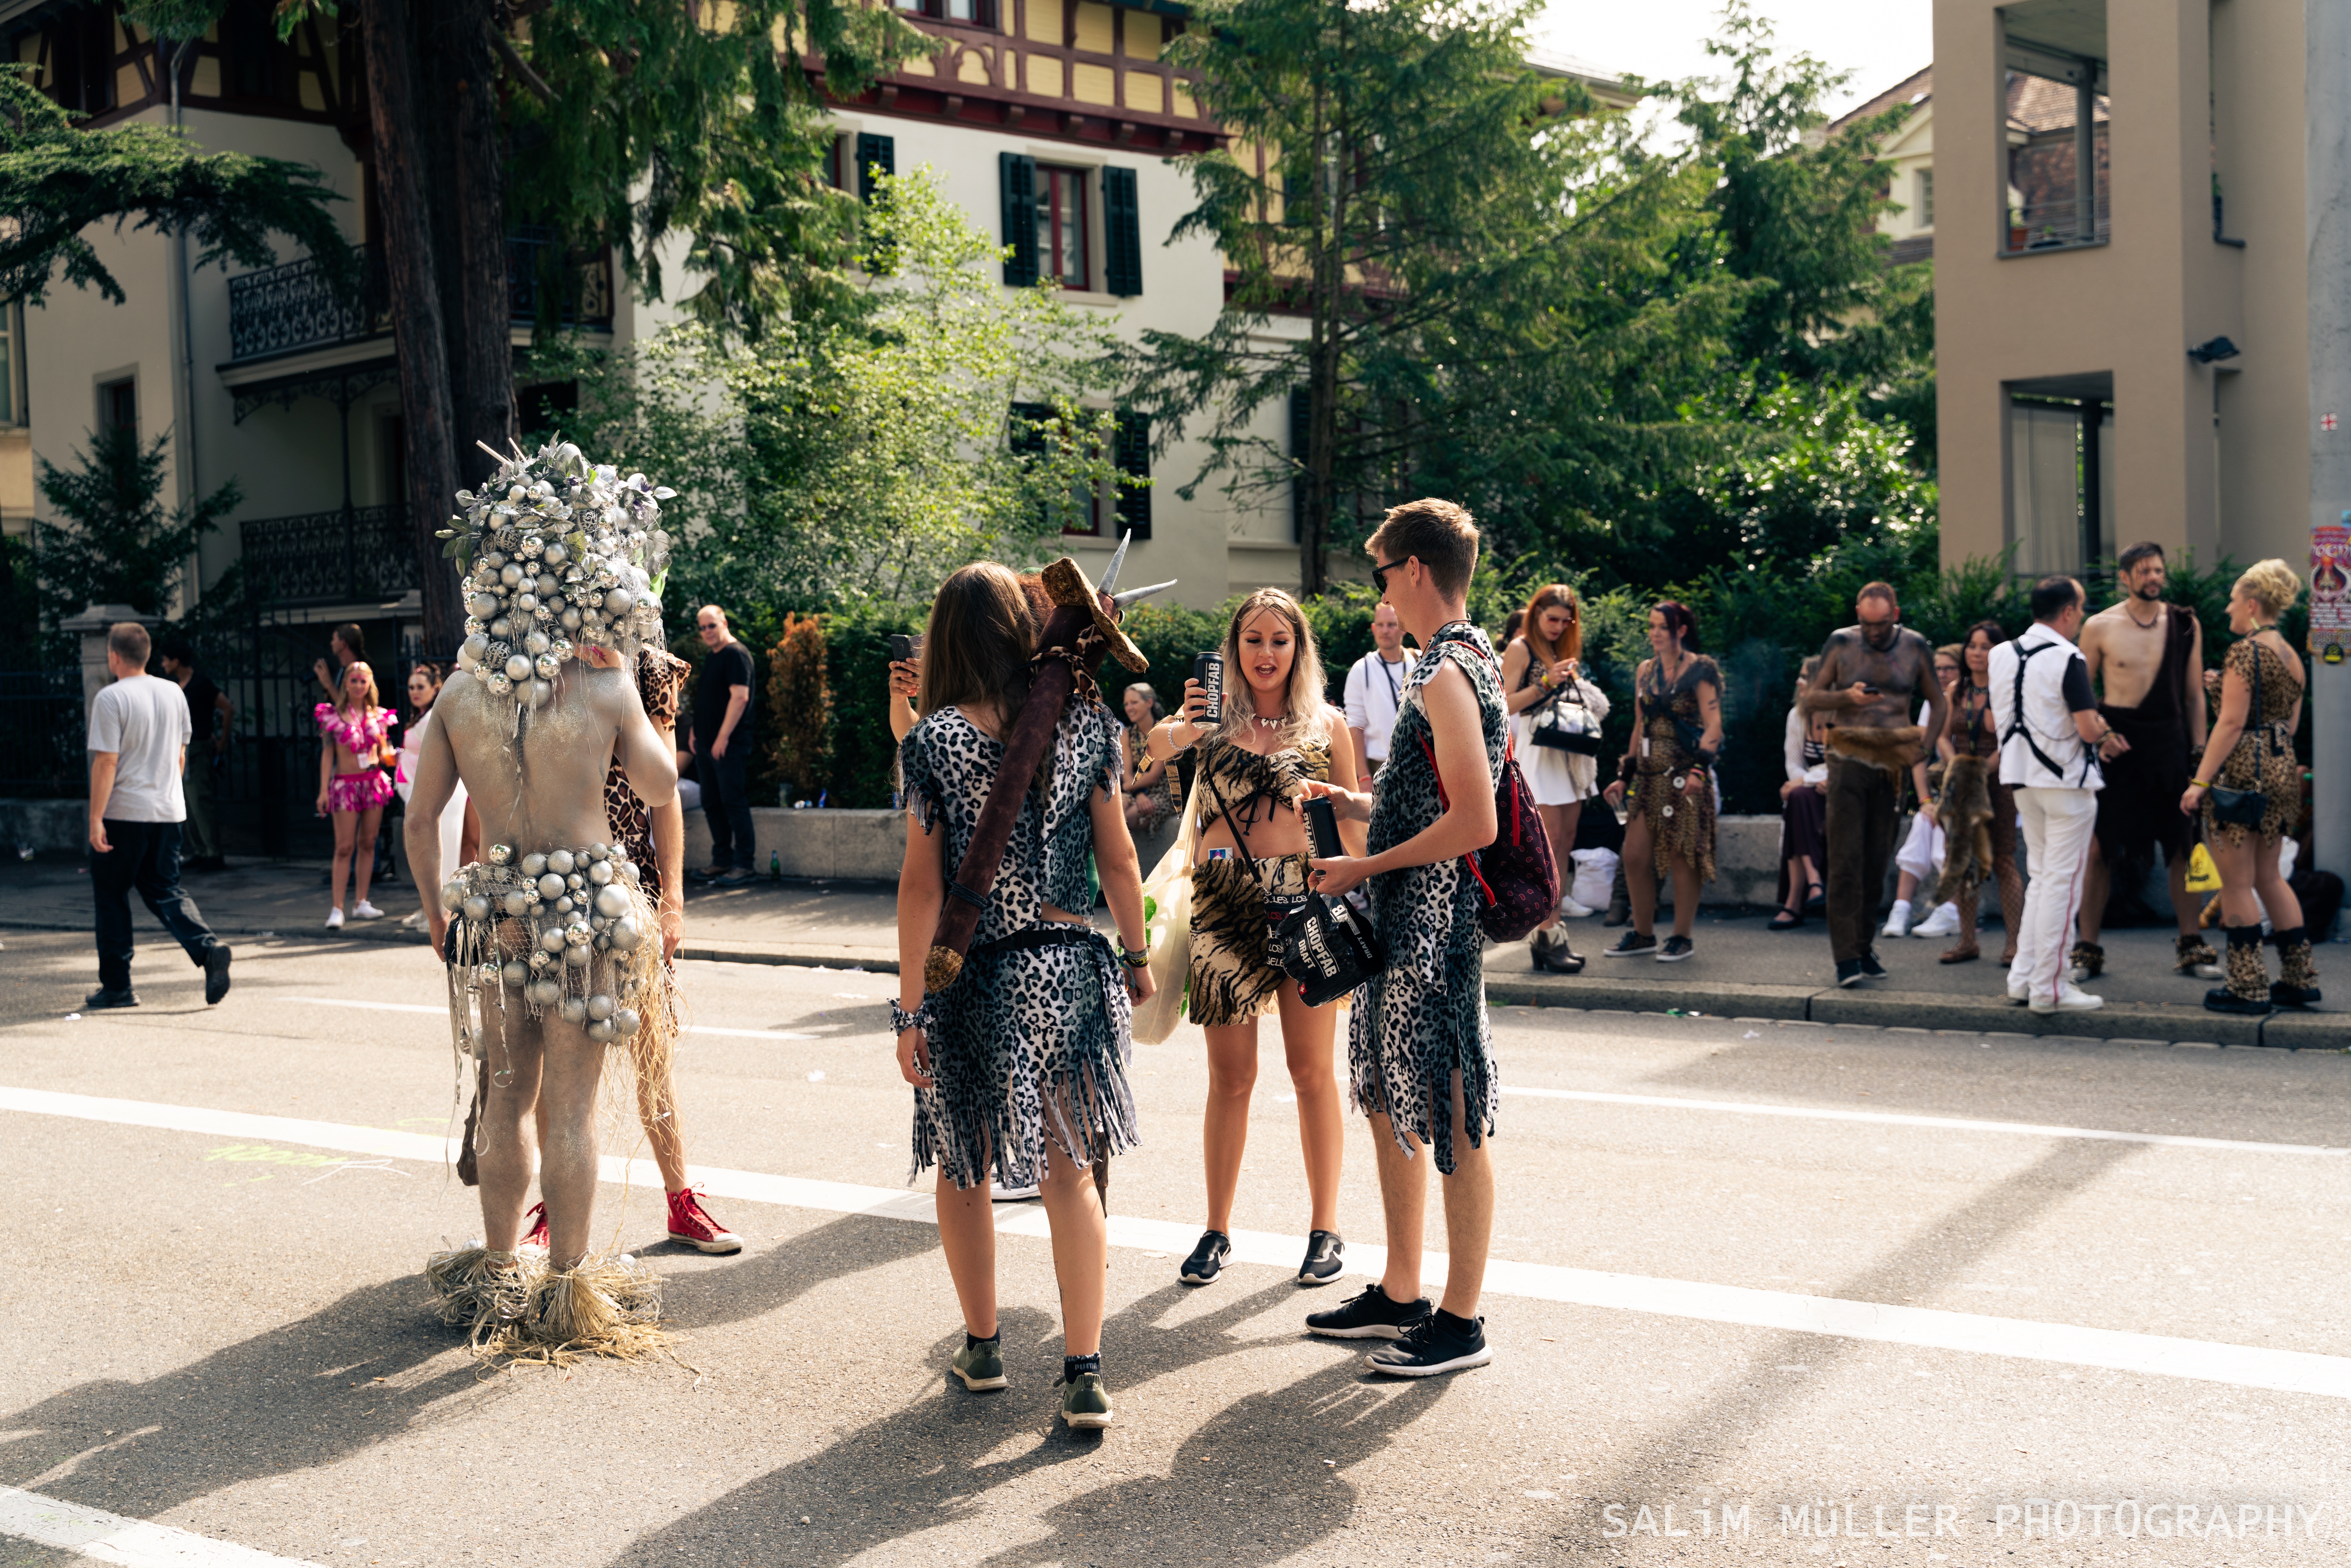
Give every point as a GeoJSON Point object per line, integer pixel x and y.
{"type": "Point", "coordinates": [1380, 575]}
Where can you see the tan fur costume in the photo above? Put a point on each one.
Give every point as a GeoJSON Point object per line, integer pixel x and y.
{"type": "Point", "coordinates": [1965, 815]}
{"type": "Point", "coordinates": [1894, 749]}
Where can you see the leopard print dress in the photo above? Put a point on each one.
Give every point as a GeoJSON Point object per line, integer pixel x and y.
{"type": "Point", "coordinates": [1030, 1043]}
{"type": "Point", "coordinates": [1414, 1027]}
{"type": "Point", "coordinates": [660, 676]}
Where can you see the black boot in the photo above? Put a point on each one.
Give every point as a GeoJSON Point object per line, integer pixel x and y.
{"type": "Point", "coordinates": [2248, 990]}
{"type": "Point", "coordinates": [1620, 902]}
{"type": "Point", "coordinates": [2298, 987]}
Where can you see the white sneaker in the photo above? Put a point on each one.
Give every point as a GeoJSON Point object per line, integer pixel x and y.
{"type": "Point", "coordinates": [1898, 922]}
{"type": "Point", "coordinates": [334, 919]}
{"type": "Point", "coordinates": [2070, 998]}
{"type": "Point", "coordinates": [999, 1193]}
{"type": "Point", "coordinates": [1570, 909]}
{"type": "Point", "coordinates": [363, 910]}
{"type": "Point", "coordinates": [2019, 991]}
{"type": "Point", "coordinates": [1944, 922]}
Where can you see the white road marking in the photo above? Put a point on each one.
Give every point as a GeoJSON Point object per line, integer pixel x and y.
{"type": "Point", "coordinates": [1896, 1119]}
{"type": "Point", "coordinates": [438, 1010]}
{"type": "Point", "coordinates": [104, 1537]}
{"type": "Point", "coordinates": [2248, 1366]}
{"type": "Point", "coordinates": [1662, 1101]}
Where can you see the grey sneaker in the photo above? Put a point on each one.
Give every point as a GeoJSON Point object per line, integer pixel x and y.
{"type": "Point", "coordinates": [980, 1362]}
{"type": "Point", "coordinates": [1085, 1402]}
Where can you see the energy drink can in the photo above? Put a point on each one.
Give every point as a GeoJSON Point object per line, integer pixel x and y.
{"type": "Point", "coordinates": [1323, 827]}
{"type": "Point", "coordinates": [1208, 669]}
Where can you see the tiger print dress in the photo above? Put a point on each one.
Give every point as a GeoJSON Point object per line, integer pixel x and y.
{"type": "Point", "coordinates": [1033, 1040]}
{"type": "Point", "coordinates": [1423, 1020]}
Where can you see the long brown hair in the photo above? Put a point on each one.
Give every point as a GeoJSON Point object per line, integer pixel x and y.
{"type": "Point", "coordinates": [1302, 703]}
{"type": "Point", "coordinates": [1548, 596]}
{"type": "Point", "coordinates": [977, 644]}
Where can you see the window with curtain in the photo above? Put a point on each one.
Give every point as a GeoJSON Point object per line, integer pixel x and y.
{"type": "Point", "coordinates": [1062, 226]}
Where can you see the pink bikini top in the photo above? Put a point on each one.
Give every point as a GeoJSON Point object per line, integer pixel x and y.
{"type": "Point", "coordinates": [362, 735]}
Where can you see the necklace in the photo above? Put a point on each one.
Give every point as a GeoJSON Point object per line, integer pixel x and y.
{"type": "Point", "coordinates": [2144, 626]}
{"type": "Point", "coordinates": [1268, 723]}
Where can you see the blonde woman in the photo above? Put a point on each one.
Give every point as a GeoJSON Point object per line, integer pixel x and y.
{"type": "Point", "coordinates": [1248, 872]}
{"type": "Point", "coordinates": [1543, 675]}
{"type": "Point", "coordinates": [2260, 707]}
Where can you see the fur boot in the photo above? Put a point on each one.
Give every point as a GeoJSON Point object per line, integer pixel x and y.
{"type": "Point", "coordinates": [2248, 988]}
{"type": "Point", "coordinates": [2298, 986]}
{"type": "Point", "coordinates": [2198, 958]}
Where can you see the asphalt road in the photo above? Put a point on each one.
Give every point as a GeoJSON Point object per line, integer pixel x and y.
{"type": "Point", "coordinates": [1921, 1317]}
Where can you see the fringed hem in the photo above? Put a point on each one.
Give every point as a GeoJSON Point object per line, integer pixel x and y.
{"type": "Point", "coordinates": [1405, 1048]}
{"type": "Point", "coordinates": [515, 1307]}
{"type": "Point", "coordinates": [985, 1115]}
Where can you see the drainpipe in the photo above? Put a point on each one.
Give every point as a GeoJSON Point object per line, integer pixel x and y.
{"type": "Point", "coordinates": [2326, 207]}
{"type": "Point", "coordinates": [191, 487]}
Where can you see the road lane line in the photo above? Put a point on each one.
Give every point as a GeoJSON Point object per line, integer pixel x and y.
{"type": "Point", "coordinates": [1662, 1101]}
{"type": "Point", "coordinates": [441, 1010]}
{"type": "Point", "coordinates": [104, 1537]}
{"type": "Point", "coordinates": [2249, 1367]}
{"type": "Point", "coordinates": [1897, 1119]}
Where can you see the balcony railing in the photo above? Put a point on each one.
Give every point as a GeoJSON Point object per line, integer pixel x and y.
{"type": "Point", "coordinates": [2057, 225]}
{"type": "Point", "coordinates": [357, 556]}
{"type": "Point", "coordinates": [282, 308]}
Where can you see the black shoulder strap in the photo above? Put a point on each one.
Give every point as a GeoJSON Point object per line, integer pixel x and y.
{"type": "Point", "coordinates": [2016, 725]}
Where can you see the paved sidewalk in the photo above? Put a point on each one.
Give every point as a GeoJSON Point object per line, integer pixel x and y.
{"type": "Point", "coordinates": [1741, 969]}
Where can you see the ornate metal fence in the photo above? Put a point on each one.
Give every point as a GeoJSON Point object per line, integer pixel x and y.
{"type": "Point", "coordinates": [41, 734]}
{"type": "Point", "coordinates": [281, 309]}
{"type": "Point", "coordinates": [357, 555]}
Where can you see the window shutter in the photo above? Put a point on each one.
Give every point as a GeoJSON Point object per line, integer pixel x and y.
{"type": "Point", "coordinates": [873, 150]}
{"type": "Point", "coordinates": [1133, 456]}
{"type": "Point", "coordinates": [1026, 440]}
{"type": "Point", "coordinates": [1123, 232]}
{"type": "Point", "coordinates": [1017, 177]}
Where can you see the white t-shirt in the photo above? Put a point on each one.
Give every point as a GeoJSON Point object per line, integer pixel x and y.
{"type": "Point", "coordinates": [1374, 686]}
{"type": "Point", "coordinates": [2048, 754]}
{"type": "Point", "coordinates": [144, 722]}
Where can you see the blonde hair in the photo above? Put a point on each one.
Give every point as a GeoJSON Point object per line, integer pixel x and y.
{"type": "Point", "coordinates": [2271, 584]}
{"type": "Point", "coordinates": [1571, 643]}
{"type": "Point", "coordinates": [1302, 704]}
{"type": "Point", "coordinates": [343, 686]}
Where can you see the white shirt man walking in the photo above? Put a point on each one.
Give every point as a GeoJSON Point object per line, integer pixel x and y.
{"type": "Point", "coordinates": [138, 744]}
{"type": "Point", "coordinates": [1375, 690]}
{"type": "Point", "coordinates": [2052, 743]}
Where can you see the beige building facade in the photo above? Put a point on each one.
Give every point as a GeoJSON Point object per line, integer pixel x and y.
{"type": "Point", "coordinates": [2119, 242]}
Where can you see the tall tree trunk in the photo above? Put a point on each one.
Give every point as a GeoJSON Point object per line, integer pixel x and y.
{"type": "Point", "coordinates": [1329, 292]}
{"type": "Point", "coordinates": [415, 305]}
{"type": "Point", "coordinates": [482, 362]}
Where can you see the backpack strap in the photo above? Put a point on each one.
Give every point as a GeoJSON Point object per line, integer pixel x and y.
{"type": "Point", "coordinates": [2017, 727]}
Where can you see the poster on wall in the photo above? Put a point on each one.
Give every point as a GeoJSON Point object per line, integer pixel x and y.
{"type": "Point", "coordinates": [2330, 589]}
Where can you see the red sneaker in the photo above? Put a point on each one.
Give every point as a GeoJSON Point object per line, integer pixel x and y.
{"type": "Point", "coordinates": [537, 1215]}
{"type": "Point", "coordinates": [691, 1223]}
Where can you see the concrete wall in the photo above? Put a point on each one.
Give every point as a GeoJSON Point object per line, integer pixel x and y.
{"type": "Point", "coordinates": [2132, 307]}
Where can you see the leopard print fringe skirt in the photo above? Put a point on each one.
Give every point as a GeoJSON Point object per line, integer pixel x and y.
{"type": "Point", "coordinates": [1232, 976]}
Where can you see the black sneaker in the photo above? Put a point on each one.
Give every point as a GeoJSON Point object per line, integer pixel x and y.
{"type": "Point", "coordinates": [1208, 1259]}
{"type": "Point", "coordinates": [1676, 949]}
{"type": "Point", "coordinates": [1368, 1314]}
{"type": "Point", "coordinates": [1438, 1343]}
{"type": "Point", "coordinates": [102, 998]}
{"type": "Point", "coordinates": [1631, 945]}
{"type": "Point", "coordinates": [1325, 1257]}
{"type": "Point", "coordinates": [1849, 972]}
{"type": "Point", "coordinates": [215, 973]}
{"type": "Point", "coordinates": [1871, 968]}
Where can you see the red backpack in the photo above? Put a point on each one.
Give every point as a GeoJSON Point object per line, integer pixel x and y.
{"type": "Point", "coordinates": [1517, 877]}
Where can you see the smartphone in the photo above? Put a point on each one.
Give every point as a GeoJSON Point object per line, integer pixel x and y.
{"type": "Point", "coordinates": [905, 650]}
{"type": "Point", "coordinates": [1869, 691]}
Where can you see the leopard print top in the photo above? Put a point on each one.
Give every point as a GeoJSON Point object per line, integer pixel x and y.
{"type": "Point", "coordinates": [660, 676]}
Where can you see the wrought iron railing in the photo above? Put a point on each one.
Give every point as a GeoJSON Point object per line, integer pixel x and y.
{"type": "Point", "coordinates": [41, 733]}
{"type": "Point", "coordinates": [281, 309]}
{"type": "Point", "coordinates": [339, 557]}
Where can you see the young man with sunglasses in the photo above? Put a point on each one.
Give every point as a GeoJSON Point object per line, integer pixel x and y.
{"type": "Point", "coordinates": [1420, 1049]}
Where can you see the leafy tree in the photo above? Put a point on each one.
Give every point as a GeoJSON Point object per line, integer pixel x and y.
{"type": "Point", "coordinates": [933, 418]}
{"type": "Point", "coordinates": [118, 545]}
{"type": "Point", "coordinates": [57, 181]}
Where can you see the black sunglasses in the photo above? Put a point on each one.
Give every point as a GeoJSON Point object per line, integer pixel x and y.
{"type": "Point", "coordinates": [1380, 575]}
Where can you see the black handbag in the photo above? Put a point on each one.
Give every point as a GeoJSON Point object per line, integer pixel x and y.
{"type": "Point", "coordinates": [1324, 944]}
{"type": "Point", "coordinates": [1552, 728]}
{"type": "Point", "coordinates": [2244, 807]}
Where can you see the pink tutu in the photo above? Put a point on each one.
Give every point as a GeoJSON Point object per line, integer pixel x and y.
{"type": "Point", "coordinates": [359, 791]}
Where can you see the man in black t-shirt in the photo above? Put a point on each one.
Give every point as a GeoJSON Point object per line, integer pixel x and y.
{"type": "Point", "coordinates": [723, 738]}
{"type": "Point", "coordinates": [208, 716]}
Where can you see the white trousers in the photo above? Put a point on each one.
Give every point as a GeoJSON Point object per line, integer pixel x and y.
{"type": "Point", "coordinates": [1922, 848]}
{"type": "Point", "coordinates": [2058, 827]}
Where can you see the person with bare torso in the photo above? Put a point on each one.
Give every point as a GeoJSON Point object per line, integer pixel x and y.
{"type": "Point", "coordinates": [1870, 675]}
{"type": "Point", "coordinates": [2149, 658]}
{"type": "Point", "coordinates": [553, 940]}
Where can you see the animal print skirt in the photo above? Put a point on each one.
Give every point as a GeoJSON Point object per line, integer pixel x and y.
{"type": "Point", "coordinates": [1233, 976]}
{"type": "Point", "coordinates": [1030, 1043]}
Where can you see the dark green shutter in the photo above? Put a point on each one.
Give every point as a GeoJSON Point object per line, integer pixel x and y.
{"type": "Point", "coordinates": [873, 151]}
{"type": "Point", "coordinates": [1027, 439]}
{"type": "Point", "coordinates": [1017, 176]}
{"type": "Point", "coordinates": [1123, 232]}
{"type": "Point", "coordinates": [1133, 456]}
